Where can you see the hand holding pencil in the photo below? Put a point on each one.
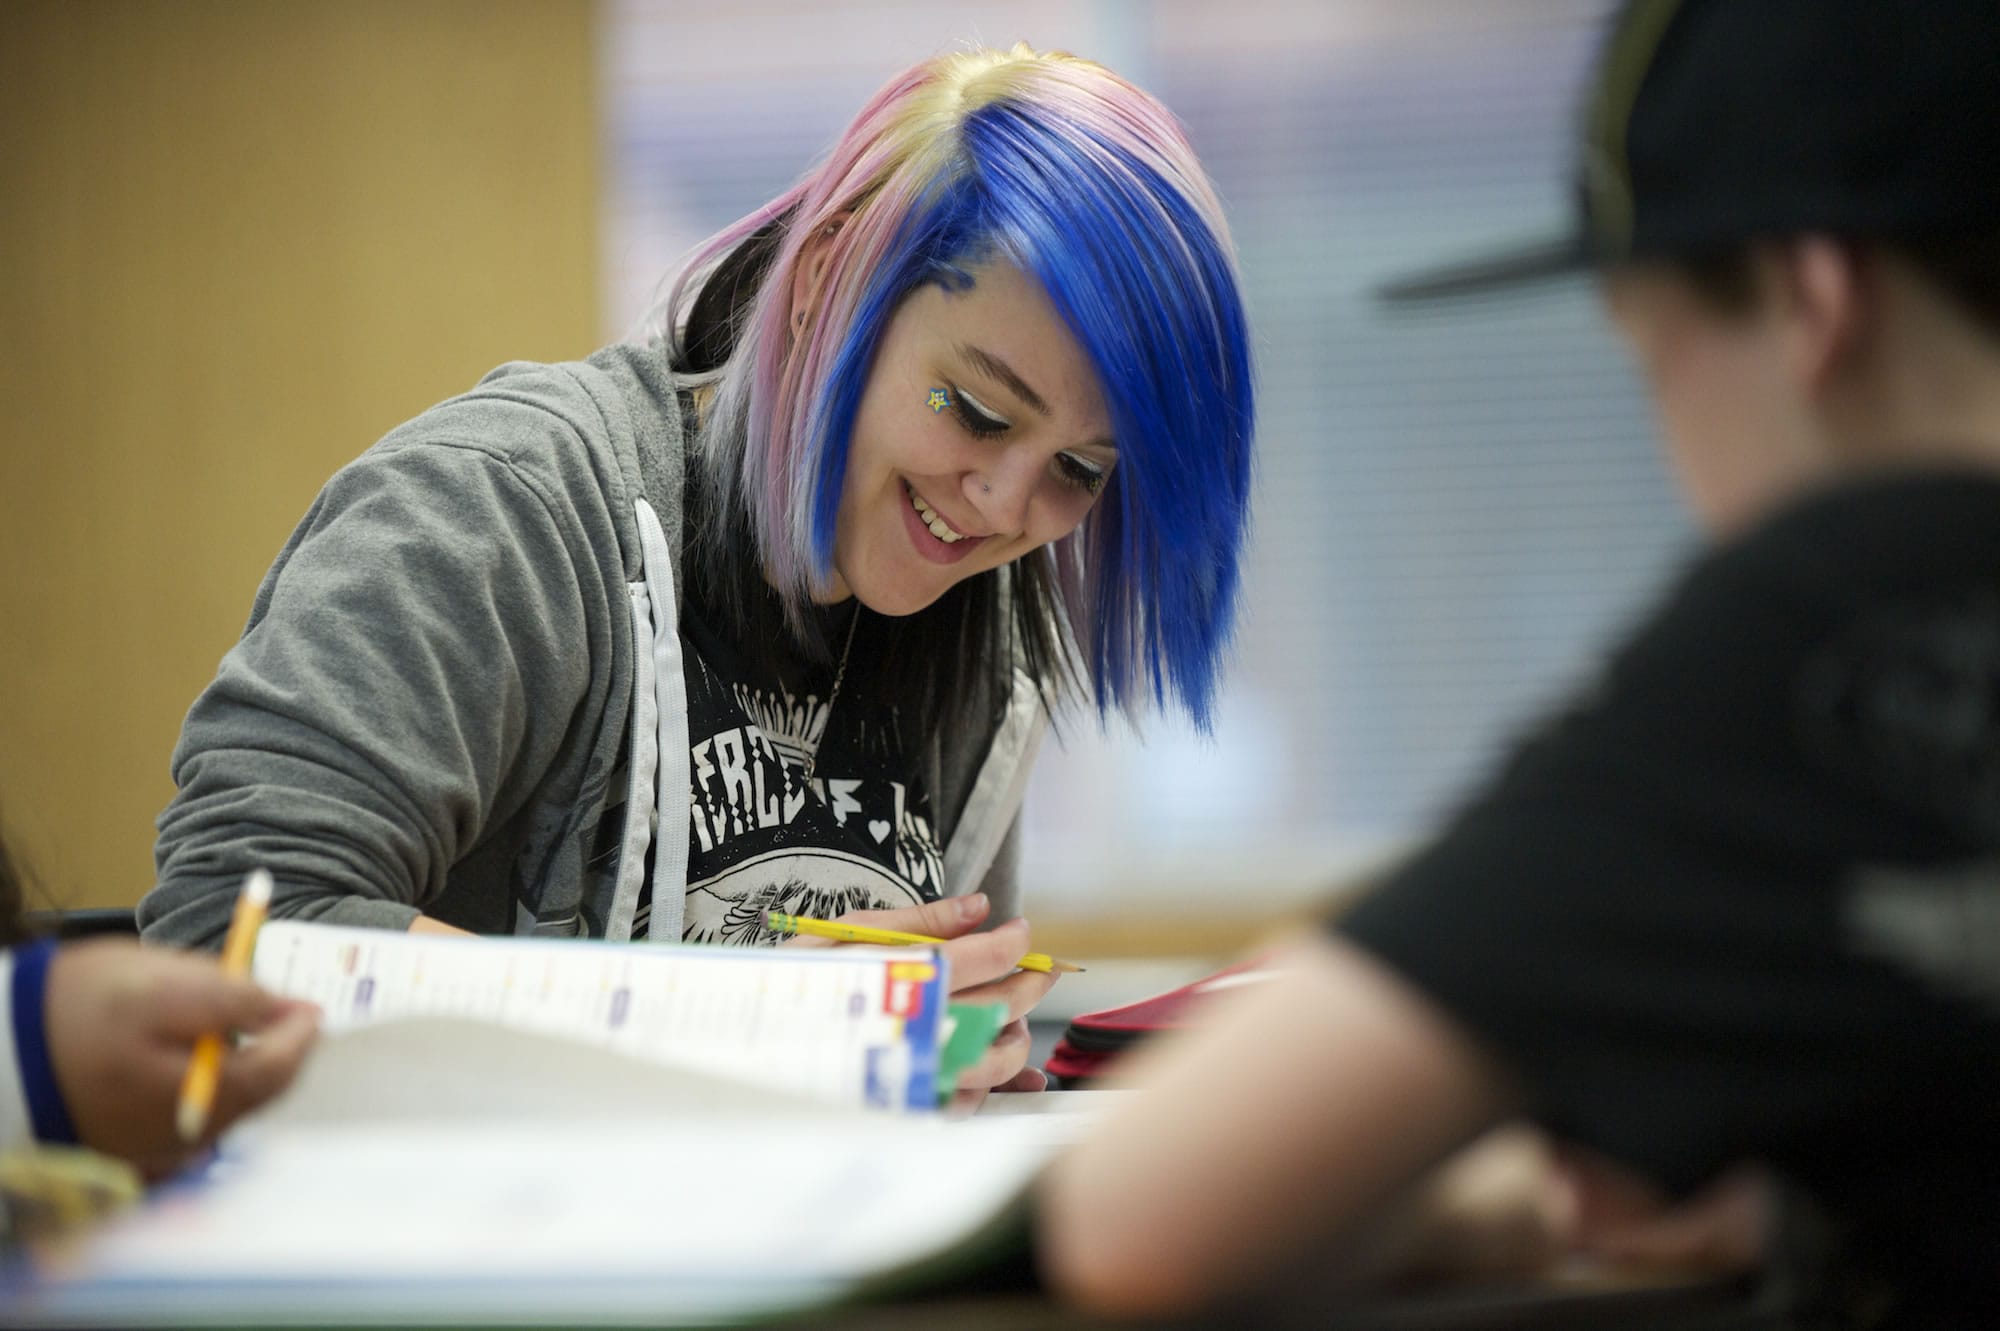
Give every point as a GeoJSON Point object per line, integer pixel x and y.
{"type": "Point", "coordinates": [844, 931]}
{"type": "Point", "coordinates": [122, 1022]}
{"type": "Point", "coordinates": [204, 1069]}
{"type": "Point", "coordinates": [989, 967]}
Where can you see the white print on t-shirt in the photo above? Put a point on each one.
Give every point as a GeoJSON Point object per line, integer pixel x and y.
{"type": "Point", "coordinates": [810, 881]}
{"type": "Point", "coordinates": [748, 781]}
{"type": "Point", "coordinates": [1941, 923]}
{"type": "Point", "coordinates": [794, 726]}
{"type": "Point", "coordinates": [741, 785]}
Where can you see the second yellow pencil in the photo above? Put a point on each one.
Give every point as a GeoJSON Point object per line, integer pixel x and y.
{"type": "Point", "coordinates": [778, 922]}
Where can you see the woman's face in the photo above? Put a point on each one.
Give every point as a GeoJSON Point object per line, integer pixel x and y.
{"type": "Point", "coordinates": [981, 435]}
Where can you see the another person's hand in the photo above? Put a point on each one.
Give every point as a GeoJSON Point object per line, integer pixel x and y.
{"type": "Point", "coordinates": [982, 971]}
{"type": "Point", "coordinates": [1514, 1203]}
{"type": "Point", "coordinates": [1496, 1208]}
{"type": "Point", "coordinates": [1623, 1218]}
{"type": "Point", "coordinates": [122, 1020]}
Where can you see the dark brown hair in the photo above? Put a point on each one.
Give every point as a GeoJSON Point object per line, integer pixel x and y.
{"type": "Point", "coordinates": [13, 925]}
{"type": "Point", "coordinates": [1964, 267]}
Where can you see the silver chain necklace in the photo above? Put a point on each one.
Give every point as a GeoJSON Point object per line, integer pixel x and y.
{"type": "Point", "coordinates": [833, 694]}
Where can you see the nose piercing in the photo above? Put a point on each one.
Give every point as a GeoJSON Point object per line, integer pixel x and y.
{"type": "Point", "coordinates": [986, 487]}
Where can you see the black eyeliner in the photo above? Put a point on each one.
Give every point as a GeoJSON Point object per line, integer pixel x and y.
{"type": "Point", "coordinates": [976, 420]}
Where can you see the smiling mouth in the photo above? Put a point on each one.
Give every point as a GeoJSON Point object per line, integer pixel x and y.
{"type": "Point", "coordinates": [937, 525]}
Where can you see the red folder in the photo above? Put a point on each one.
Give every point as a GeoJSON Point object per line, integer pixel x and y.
{"type": "Point", "coordinates": [1094, 1041]}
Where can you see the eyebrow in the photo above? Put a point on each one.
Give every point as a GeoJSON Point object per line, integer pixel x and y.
{"type": "Point", "coordinates": [988, 363]}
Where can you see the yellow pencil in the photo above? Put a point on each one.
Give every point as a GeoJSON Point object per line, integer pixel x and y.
{"type": "Point", "coordinates": [205, 1064]}
{"type": "Point", "coordinates": [861, 933]}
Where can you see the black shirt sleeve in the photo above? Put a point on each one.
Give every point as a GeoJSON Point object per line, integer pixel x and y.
{"type": "Point", "coordinates": [1707, 913]}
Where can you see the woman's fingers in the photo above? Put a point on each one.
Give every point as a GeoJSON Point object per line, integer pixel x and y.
{"type": "Point", "coordinates": [977, 959]}
{"type": "Point", "coordinates": [947, 917]}
{"type": "Point", "coordinates": [1027, 1079]}
{"type": "Point", "coordinates": [261, 1067]}
{"type": "Point", "coordinates": [189, 997]}
{"type": "Point", "coordinates": [1002, 1062]}
{"type": "Point", "coordinates": [983, 966]}
{"type": "Point", "coordinates": [1020, 991]}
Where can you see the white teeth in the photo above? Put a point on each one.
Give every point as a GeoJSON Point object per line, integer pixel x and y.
{"type": "Point", "coordinates": [932, 520]}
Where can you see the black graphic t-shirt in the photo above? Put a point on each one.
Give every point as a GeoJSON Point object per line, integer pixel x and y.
{"type": "Point", "coordinates": [858, 835]}
{"type": "Point", "coordinates": [1743, 900]}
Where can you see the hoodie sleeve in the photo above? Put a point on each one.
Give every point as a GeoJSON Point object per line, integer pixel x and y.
{"type": "Point", "coordinates": [1002, 884]}
{"type": "Point", "coordinates": [408, 671]}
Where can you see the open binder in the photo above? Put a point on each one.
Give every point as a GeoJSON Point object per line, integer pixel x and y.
{"type": "Point", "coordinates": [674, 1219]}
{"type": "Point", "coordinates": [560, 1133]}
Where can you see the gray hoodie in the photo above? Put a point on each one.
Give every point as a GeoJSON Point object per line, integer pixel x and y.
{"type": "Point", "coordinates": [443, 667]}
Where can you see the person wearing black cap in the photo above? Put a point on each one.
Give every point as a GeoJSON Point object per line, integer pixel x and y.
{"type": "Point", "coordinates": [1737, 906]}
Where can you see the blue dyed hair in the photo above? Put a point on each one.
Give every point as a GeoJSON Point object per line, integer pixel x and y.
{"type": "Point", "coordinates": [1087, 185]}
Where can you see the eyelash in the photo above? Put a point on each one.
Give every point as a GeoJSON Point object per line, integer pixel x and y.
{"type": "Point", "coordinates": [1074, 472]}
{"type": "Point", "coordinates": [1079, 474]}
{"type": "Point", "coordinates": [977, 423]}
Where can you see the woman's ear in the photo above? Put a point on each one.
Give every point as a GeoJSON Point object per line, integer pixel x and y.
{"type": "Point", "coordinates": [1826, 304]}
{"type": "Point", "coordinates": [809, 273]}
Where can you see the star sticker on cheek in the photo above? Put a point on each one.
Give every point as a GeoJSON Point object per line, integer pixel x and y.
{"type": "Point", "coordinates": [939, 400]}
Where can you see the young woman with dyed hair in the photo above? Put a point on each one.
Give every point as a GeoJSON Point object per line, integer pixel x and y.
{"type": "Point", "coordinates": [955, 429]}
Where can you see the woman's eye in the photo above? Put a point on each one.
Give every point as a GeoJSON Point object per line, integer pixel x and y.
{"type": "Point", "coordinates": [977, 421]}
{"type": "Point", "coordinates": [1085, 476]}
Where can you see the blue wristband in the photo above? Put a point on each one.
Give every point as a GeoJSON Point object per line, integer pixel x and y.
{"type": "Point", "coordinates": [46, 1109]}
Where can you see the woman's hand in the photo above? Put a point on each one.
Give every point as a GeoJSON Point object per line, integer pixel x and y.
{"type": "Point", "coordinates": [982, 970]}
{"type": "Point", "coordinates": [122, 1020]}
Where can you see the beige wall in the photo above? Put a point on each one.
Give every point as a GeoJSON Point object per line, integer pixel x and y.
{"type": "Point", "coordinates": [237, 242]}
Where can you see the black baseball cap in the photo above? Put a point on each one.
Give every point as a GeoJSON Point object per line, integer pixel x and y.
{"type": "Point", "coordinates": [1709, 123]}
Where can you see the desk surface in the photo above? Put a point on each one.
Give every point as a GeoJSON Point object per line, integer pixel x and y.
{"type": "Point", "coordinates": [1689, 1304]}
